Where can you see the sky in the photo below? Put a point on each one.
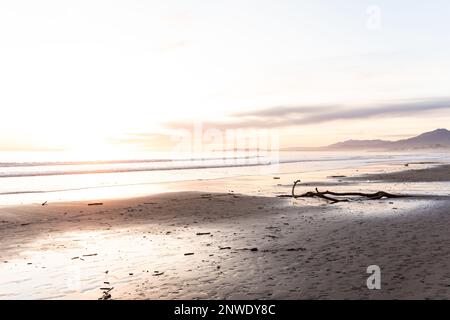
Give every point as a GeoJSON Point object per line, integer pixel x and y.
{"type": "Point", "coordinates": [114, 75]}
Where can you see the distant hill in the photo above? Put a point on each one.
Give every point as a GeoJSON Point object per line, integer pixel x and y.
{"type": "Point", "coordinates": [436, 139]}
{"type": "Point", "coordinates": [439, 138]}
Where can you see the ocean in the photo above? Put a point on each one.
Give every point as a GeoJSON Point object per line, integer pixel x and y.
{"type": "Point", "coordinates": [38, 177]}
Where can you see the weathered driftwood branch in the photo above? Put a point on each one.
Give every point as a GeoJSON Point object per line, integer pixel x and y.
{"type": "Point", "coordinates": [326, 195]}
{"type": "Point", "coordinates": [319, 194]}
{"type": "Point", "coordinates": [373, 196]}
{"type": "Point", "coordinates": [293, 187]}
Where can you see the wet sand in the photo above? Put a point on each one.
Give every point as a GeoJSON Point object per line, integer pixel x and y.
{"type": "Point", "coordinates": [196, 245]}
{"type": "Point", "coordinates": [432, 174]}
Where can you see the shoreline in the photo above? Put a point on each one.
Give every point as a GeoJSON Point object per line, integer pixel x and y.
{"type": "Point", "coordinates": [53, 188]}
{"type": "Point", "coordinates": [436, 173]}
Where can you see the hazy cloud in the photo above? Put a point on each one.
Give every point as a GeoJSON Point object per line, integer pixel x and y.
{"type": "Point", "coordinates": [146, 140]}
{"type": "Point", "coordinates": [286, 116]}
{"type": "Point", "coordinates": [284, 111]}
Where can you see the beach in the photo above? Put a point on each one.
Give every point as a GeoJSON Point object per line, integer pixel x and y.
{"type": "Point", "coordinates": [232, 150]}
{"type": "Point", "coordinates": [224, 242]}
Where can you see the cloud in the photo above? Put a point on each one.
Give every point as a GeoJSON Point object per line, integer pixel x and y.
{"type": "Point", "coordinates": [146, 140]}
{"type": "Point", "coordinates": [284, 111]}
{"type": "Point", "coordinates": [287, 116]}
{"type": "Point", "coordinates": [395, 110]}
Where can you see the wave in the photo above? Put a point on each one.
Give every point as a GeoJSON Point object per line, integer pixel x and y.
{"type": "Point", "coordinates": [106, 162]}
{"type": "Point", "coordinates": [120, 170]}
{"type": "Point", "coordinates": [81, 168]}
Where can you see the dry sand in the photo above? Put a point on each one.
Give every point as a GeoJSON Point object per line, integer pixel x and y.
{"type": "Point", "coordinates": [226, 246]}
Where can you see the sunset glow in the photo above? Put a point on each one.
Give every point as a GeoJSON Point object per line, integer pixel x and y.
{"type": "Point", "coordinates": [88, 76]}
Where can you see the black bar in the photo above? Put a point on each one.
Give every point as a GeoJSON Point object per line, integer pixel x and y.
{"type": "Point", "coordinates": [249, 309]}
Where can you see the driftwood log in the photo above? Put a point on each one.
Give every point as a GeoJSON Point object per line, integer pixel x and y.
{"type": "Point", "coordinates": [337, 196]}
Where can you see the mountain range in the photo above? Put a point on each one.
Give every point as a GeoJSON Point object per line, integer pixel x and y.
{"type": "Point", "coordinates": [437, 139]}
